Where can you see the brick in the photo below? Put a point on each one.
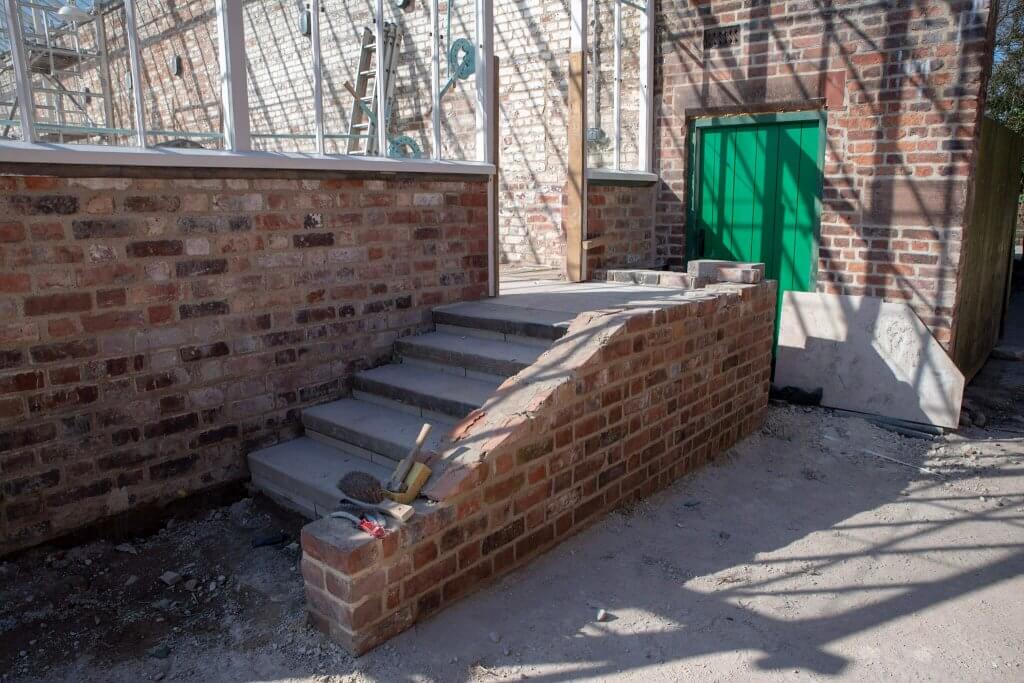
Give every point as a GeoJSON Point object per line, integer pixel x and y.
{"type": "Point", "coordinates": [46, 204]}
{"type": "Point", "coordinates": [201, 267]}
{"type": "Point", "coordinates": [193, 353]}
{"type": "Point", "coordinates": [172, 425]}
{"type": "Point", "coordinates": [503, 536]}
{"type": "Point", "coordinates": [430, 577]}
{"type": "Point", "coordinates": [11, 232]}
{"type": "Point", "coordinates": [99, 228]}
{"type": "Point", "coordinates": [23, 381]}
{"type": "Point", "coordinates": [149, 248]}
{"type": "Point", "coordinates": [338, 547]}
{"type": "Point", "coordinates": [207, 308]}
{"type": "Point", "coordinates": [58, 303]}
{"type": "Point", "coordinates": [21, 437]}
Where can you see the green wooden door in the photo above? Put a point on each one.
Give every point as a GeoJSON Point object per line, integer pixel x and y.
{"type": "Point", "coordinates": [757, 187]}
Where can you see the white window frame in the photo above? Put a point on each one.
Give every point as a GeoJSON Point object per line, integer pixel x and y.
{"type": "Point", "coordinates": [645, 143]}
{"type": "Point", "coordinates": [238, 151]}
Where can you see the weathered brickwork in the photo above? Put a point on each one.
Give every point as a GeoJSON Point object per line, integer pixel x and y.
{"type": "Point", "coordinates": [621, 217]}
{"type": "Point", "coordinates": [902, 84]}
{"type": "Point", "coordinates": [155, 330]}
{"type": "Point", "coordinates": [532, 39]}
{"type": "Point", "coordinates": [647, 395]}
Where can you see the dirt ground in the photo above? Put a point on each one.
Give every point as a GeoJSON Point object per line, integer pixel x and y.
{"type": "Point", "coordinates": [802, 553]}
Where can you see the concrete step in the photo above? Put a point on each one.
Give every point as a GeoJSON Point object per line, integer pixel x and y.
{"type": "Point", "coordinates": [468, 355]}
{"type": "Point", "coordinates": [497, 321]}
{"type": "Point", "coordinates": [303, 474]}
{"type": "Point", "coordinates": [369, 430]}
{"type": "Point", "coordinates": [422, 391]}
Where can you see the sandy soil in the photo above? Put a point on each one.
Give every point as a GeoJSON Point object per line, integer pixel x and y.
{"type": "Point", "coordinates": [802, 553]}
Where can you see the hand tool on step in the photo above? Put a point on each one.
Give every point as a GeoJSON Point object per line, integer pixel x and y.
{"type": "Point", "coordinates": [365, 490]}
{"type": "Point", "coordinates": [397, 482]}
{"type": "Point", "coordinates": [363, 520]}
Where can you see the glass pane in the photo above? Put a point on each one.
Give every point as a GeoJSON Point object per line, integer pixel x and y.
{"type": "Point", "coordinates": [600, 85]}
{"type": "Point", "coordinates": [601, 131]}
{"type": "Point", "coordinates": [77, 65]}
{"type": "Point", "coordinates": [407, 110]}
{"type": "Point", "coordinates": [181, 73]}
{"type": "Point", "coordinates": [346, 27]}
{"type": "Point", "coordinates": [278, 54]}
{"type": "Point", "coordinates": [458, 80]}
{"type": "Point", "coordinates": [630, 87]}
{"type": "Point", "coordinates": [10, 125]}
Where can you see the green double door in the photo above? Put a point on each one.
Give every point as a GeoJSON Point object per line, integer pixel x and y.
{"type": "Point", "coordinates": [757, 191]}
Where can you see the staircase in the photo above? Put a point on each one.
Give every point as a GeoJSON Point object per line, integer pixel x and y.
{"type": "Point", "coordinates": [438, 377]}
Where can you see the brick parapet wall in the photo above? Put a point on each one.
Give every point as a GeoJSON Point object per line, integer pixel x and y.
{"type": "Point", "coordinates": [626, 403]}
{"type": "Point", "coordinates": [154, 330]}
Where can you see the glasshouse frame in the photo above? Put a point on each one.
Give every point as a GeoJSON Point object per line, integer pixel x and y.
{"type": "Point", "coordinates": [238, 149]}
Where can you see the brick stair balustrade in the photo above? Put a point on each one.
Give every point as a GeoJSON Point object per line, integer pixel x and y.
{"type": "Point", "coordinates": [603, 410]}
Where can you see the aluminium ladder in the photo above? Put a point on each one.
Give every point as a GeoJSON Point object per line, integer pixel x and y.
{"type": "Point", "coordinates": [366, 112]}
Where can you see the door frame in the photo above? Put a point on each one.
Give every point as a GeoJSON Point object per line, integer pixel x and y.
{"type": "Point", "coordinates": [694, 241]}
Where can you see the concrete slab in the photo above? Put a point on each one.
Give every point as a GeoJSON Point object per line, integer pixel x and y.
{"type": "Point", "coordinates": [302, 474]}
{"type": "Point", "coordinates": [505, 319]}
{"type": "Point", "coordinates": [427, 389]}
{"type": "Point", "coordinates": [372, 427]}
{"type": "Point", "coordinates": [869, 356]}
{"type": "Point", "coordinates": [469, 353]}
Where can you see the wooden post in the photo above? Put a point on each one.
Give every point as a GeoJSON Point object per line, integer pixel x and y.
{"type": "Point", "coordinates": [494, 188]}
{"type": "Point", "coordinates": [575, 214]}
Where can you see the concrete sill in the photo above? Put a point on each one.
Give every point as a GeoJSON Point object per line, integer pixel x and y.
{"type": "Point", "coordinates": [611, 176]}
{"type": "Point", "coordinates": [103, 155]}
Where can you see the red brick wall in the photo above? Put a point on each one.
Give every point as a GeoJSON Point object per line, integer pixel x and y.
{"type": "Point", "coordinates": [623, 217]}
{"type": "Point", "coordinates": [644, 396]}
{"type": "Point", "coordinates": [902, 85]}
{"type": "Point", "coordinates": [153, 330]}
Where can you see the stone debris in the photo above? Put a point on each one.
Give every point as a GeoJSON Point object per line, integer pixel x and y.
{"type": "Point", "coordinates": [126, 548]}
{"type": "Point", "coordinates": [161, 651]}
{"type": "Point", "coordinates": [602, 615]}
{"type": "Point", "coordinates": [171, 578]}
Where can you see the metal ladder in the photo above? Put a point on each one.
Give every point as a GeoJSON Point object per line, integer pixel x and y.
{"type": "Point", "coordinates": [366, 112]}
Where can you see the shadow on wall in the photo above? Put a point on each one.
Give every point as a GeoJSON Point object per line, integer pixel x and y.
{"type": "Point", "coordinates": [894, 114]}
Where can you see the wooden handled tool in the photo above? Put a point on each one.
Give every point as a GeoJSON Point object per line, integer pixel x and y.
{"type": "Point", "coordinates": [397, 480]}
{"type": "Point", "coordinates": [365, 490]}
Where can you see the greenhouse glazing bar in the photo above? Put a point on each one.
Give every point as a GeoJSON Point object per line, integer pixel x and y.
{"type": "Point", "coordinates": [234, 96]}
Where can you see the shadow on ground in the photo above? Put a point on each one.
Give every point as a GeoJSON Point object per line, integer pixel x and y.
{"type": "Point", "coordinates": [820, 546]}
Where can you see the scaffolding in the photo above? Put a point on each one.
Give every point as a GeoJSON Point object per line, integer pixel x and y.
{"type": "Point", "coordinates": [64, 47]}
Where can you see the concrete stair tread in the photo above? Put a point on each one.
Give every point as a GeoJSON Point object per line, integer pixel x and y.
{"type": "Point", "coordinates": [425, 388]}
{"type": "Point", "coordinates": [515, 320]}
{"type": "Point", "coordinates": [303, 474]}
{"type": "Point", "coordinates": [373, 427]}
{"type": "Point", "coordinates": [501, 357]}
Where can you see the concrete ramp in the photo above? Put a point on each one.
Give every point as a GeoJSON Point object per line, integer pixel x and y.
{"type": "Point", "coordinates": [869, 356]}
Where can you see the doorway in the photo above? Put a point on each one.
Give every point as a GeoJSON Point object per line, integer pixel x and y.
{"type": "Point", "coordinates": [755, 189]}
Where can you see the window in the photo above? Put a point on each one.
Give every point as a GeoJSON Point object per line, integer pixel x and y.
{"type": "Point", "coordinates": [619, 74]}
{"type": "Point", "coordinates": [63, 78]}
{"type": "Point", "coordinates": [178, 56]}
{"type": "Point", "coordinates": [292, 79]}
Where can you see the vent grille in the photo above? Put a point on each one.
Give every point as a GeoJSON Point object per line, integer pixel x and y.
{"type": "Point", "coordinates": [721, 36]}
